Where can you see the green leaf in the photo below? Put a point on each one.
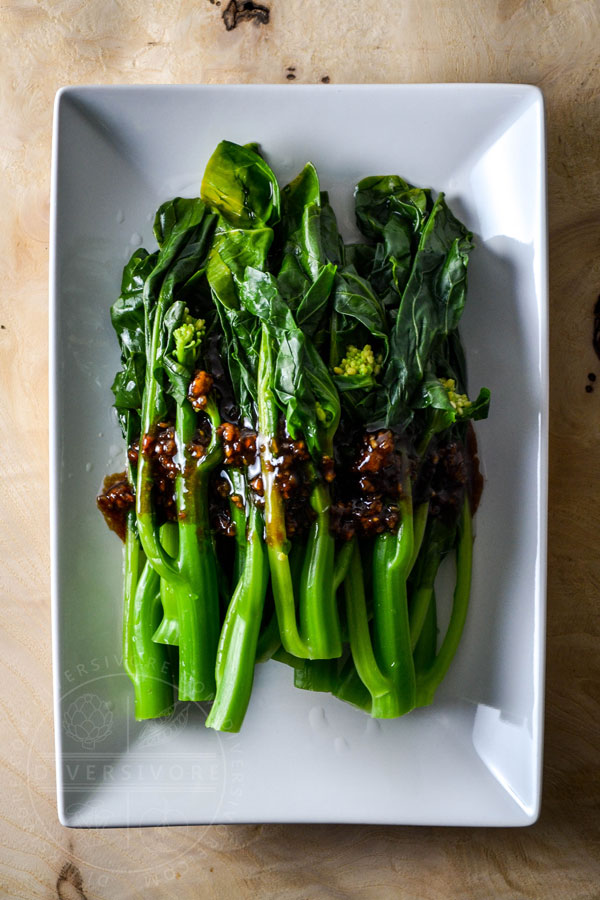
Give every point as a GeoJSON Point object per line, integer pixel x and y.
{"type": "Point", "coordinates": [359, 318]}
{"type": "Point", "coordinates": [300, 378]}
{"type": "Point", "coordinates": [233, 250]}
{"type": "Point", "coordinates": [434, 396]}
{"type": "Point", "coordinates": [303, 191]}
{"type": "Point", "coordinates": [242, 338]}
{"type": "Point", "coordinates": [355, 299]}
{"type": "Point", "coordinates": [181, 261]}
{"type": "Point", "coordinates": [391, 212]}
{"type": "Point", "coordinates": [127, 317]}
{"type": "Point", "coordinates": [310, 250]}
{"type": "Point", "coordinates": [313, 305]}
{"type": "Point", "coordinates": [331, 242]}
{"type": "Point", "coordinates": [178, 375]}
{"type": "Point", "coordinates": [326, 395]}
{"type": "Point", "coordinates": [480, 407]}
{"type": "Point", "coordinates": [430, 308]}
{"type": "Point", "coordinates": [361, 257]}
{"type": "Point", "coordinates": [354, 382]}
{"type": "Point", "coordinates": [240, 186]}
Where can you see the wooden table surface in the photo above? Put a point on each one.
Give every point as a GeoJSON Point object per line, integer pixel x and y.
{"type": "Point", "coordinates": [550, 43]}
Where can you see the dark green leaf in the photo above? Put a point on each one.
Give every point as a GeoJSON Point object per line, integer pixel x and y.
{"type": "Point", "coordinates": [127, 317]}
{"type": "Point", "coordinates": [313, 305]}
{"type": "Point", "coordinates": [391, 212]}
{"type": "Point", "coordinates": [234, 250]}
{"type": "Point", "coordinates": [361, 257]}
{"type": "Point", "coordinates": [310, 250]}
{"type": "Point", "coordinates": [178, 375]}
{"type": "Point", "coordinates": [300, 378]}
{"type": "Point", "coordinates": [430, 308]}
{"type": "Point", "coordinates": [181, 261]}
{"type": "Point", "coordinates": [480, 407]}
{"type": "Point", "coordinates": [354, 298]}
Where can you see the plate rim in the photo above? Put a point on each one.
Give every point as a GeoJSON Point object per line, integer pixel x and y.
{"type": "Point", "coordinates": [541, 263]}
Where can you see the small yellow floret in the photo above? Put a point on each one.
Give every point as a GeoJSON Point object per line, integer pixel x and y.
{"type": "Point", "coordinates": [459, 402]}
{"type": "Point", "coordinates": [321, 414]}
{"type": "Point", "coordinates": [188, 337]}
{"type": "Point", "coordinates": [359, 362]}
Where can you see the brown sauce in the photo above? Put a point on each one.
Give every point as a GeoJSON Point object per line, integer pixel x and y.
{"type": "Point", "coordinates": [475, 476]}
{"type": "Point", "coordinates": [365, 476]}
{"type": "Point", "coordinates": [114, 502]}
{"type": "Point", "coordinates": [199, 389]}
{"type": "Point", "coordinates": [161, 450]}
{"type": "Point", "coordinates": [239, 445]}
{"type": "Point", "coordinates": [368, 485]}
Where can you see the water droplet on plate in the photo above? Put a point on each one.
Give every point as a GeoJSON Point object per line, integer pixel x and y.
{"type": "Point", "coordinates": [120, 217]}
{"type": "Point", "coordinates": [341, 746]}
{"type": "Point", "coordinates": [88, 467]}
{"type": "Point", "coordinates": [317, 718]}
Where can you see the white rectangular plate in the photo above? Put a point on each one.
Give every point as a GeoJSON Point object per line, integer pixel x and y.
{"type": "Point", "coordinates": [474, 757]}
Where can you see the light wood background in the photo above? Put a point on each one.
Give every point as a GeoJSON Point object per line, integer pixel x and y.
{"type": "Point", "coordinates": [45, 44]}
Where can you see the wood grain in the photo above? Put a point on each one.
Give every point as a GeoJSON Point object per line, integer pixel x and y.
{"type": "Point", "coordinates": [45, 44]}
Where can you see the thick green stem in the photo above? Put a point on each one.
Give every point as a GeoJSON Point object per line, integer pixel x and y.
{"type": "Point", "coordinates": [380, 686]}
{"type": "Point", "coordinates": [317, 675]}
{"type": "Point", "coordinates": [423, 594]}
{"type": "Point", "coordinates": [236, 655]}
{"type": "Point", "coordinates": [146, 663]}
{"type": "Point", "coordinates": [132, 560]}
{"type": "Point", "coordinates": [342, 563]}
{"type": "Point", "coordinates": [391, 630]}
{"type": "Point", "coordinates": [419, 523]}
{"type": "Point", "coordinates": [198, 614]}
{"type": "Point", "coordinates": [439, 540]}
{"type": "Point", "coordinates": [198, 596]}
{"type": "Point", "coordinates": [426, 647]}
{"type": "Point", "coordinates": [168, 630]}
{"type": "Point", "coordinates": [421, 601]}
{"type": "Point", "coordinates": [238, 517]}
{"type": "Point", "coordinates": [277, 544]}
{"type": "Point", "coordinates": [319, 619]}
{"type": "Point", "coordinates": [269, 640]}
{"type": "Point", "coordinates": [288, 659]}
{"type": "Point", "coordinates": [148, 529]}
{"type": "Point", "coordinates": [350, 688]}
{"type": "Point", "coordinates": [432, 677]}
{"type": "Point", "coordinates": [281, 575]}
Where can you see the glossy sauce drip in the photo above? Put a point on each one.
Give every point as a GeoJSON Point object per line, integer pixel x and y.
{"type": "Point", "coordinates": [114, 502]}
{"type": "Point", "coordinates": [475, 476]}
{"type": "Point", "coordinates": [366, 479]}
{"type": "Point", "coordinates": [368, 485]}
